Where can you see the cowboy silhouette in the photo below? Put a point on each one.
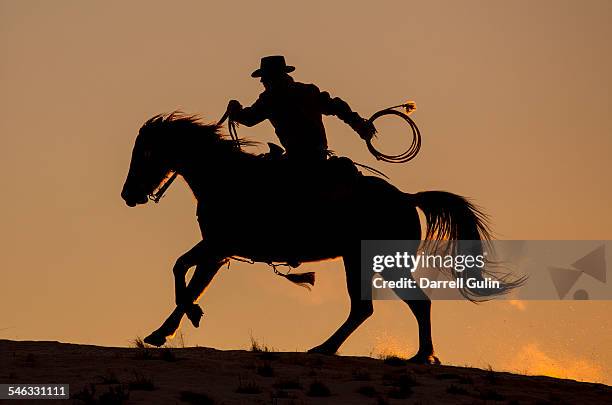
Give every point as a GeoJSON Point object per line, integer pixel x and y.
{"type": "Point", "coordinates": [295, 110]}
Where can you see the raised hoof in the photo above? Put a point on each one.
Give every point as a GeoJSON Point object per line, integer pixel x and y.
{"type": "Point", "coordinates": [194, 314]}
{"type": "Point", "coordinates": [155, 339]}
{"type": "Point", "coordinates": [429, 359]}
{"type": "Point", "coordinates": [323, 350]}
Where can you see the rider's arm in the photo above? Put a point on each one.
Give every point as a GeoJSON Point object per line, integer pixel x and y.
{"type": "Point", "coordinates": [252, 115]}
{"type": "Point", "coordinates": [340, 108]}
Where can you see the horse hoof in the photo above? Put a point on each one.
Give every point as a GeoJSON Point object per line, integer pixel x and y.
{"type": "Point", "coordinates": [155, 339]}
{"type": "Point", "coordinates": [194, 314]}
{"type": "Point", "coordinates": [428, 359]}
{"type": "Point", "coordinates": [322, 350]}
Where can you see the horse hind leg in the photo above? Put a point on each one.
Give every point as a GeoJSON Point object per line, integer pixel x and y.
{"type": "Point", "coordinates": [421, 309]}
{"type": "Point", "coordinates": [361, 309]}
{"type": "Point", "coordinates": [420, 305]}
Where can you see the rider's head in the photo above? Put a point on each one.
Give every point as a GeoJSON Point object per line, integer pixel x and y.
{"type": "Point", "coordinates": [275, 81]}
{"type": "Point", "coordinates": [273, 71]}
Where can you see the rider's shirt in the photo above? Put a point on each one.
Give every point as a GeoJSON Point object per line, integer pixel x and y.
{"type": "Point", "coordinates": [296, 112]}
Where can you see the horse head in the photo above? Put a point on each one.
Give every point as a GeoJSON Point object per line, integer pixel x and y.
{"type": "Point", "coordinates": [166, 144]}
{"type": "Point", "coordinates": [151, 162]}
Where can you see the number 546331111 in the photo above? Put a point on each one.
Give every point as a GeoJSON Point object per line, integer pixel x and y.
{"type": "Point", "coordinates": [34, 391]}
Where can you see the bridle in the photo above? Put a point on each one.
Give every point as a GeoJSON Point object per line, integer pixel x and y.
{"type": "Point", "coordinates": [158, 193]}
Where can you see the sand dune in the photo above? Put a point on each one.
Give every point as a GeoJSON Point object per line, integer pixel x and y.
{"type": "Point", "coordinates": [207, 376]}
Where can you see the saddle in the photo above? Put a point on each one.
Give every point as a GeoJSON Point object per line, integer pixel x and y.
{"type": "Point", "coordinates": [327, 172]}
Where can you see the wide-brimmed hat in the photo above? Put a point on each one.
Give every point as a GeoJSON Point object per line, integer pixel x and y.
{"type": "Point", "coordinates": [272, 65]}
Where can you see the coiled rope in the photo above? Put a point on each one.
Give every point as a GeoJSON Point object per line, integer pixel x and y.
{"type": "Point", "coordinates": [415, 146]}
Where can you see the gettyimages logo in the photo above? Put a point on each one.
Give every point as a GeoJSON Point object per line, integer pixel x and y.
{"type": "Point", "coordinates": [547, 269]}
{"type": "Point", "coordinates": [592, 264]}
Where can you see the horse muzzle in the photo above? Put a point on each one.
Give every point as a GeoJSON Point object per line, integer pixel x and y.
{"type": "Point", "coordinates": [131, 200]}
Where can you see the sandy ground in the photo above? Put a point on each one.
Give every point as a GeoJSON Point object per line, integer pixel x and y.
{"type": "Point", "coordinates": [108, 375]}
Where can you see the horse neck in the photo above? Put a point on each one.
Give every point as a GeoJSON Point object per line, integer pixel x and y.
{"type": "Point", "coordinates": [194, 182]}
{"type": "Point", "coordinates": [206, 173]}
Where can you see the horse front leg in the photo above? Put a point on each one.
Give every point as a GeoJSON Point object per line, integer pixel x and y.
{"type": "Point", "coordinates": [180, 269]}
{"type": "Point", "coordinates": [207, 264]}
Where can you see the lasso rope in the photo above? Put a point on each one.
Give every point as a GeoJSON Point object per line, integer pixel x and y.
{"type": "Point", "coordinates": [414, 148]}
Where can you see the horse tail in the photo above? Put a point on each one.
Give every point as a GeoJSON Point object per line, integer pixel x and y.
{"type": "Point", "coordinates": [461, 228]}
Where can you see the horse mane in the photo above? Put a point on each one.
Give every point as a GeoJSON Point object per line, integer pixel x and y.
{"type": "Point", "coordinates": [193, 125]}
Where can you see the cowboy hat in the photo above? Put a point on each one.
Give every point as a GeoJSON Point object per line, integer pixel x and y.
{"type": "Point", "coordinates": [272, 65]}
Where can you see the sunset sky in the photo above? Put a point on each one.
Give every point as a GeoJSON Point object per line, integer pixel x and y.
{"type": "Point", "coordinates": [514, 102]}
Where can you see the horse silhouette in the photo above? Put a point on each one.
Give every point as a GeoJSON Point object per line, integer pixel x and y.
{"type": "Point", "coordinates": [270, 211]}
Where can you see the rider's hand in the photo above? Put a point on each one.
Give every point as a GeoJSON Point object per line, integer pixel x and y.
{"type": "Point", "coordinates": [365, 129]}
{"type": "Point", "coordinates": [233, 107]}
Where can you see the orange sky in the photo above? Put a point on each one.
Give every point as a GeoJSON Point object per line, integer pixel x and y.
{"type": "Point", "coordinates": [514, 102]}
